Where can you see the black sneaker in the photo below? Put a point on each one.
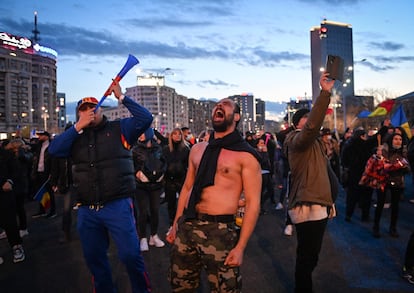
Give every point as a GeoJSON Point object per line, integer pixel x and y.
{"type": "Point", "coordinates": [408, 275]}
{"type": "Point", "coordinates": [376, 232]}
{"type": "Point", "coordinates": [394, 233]}
{"type": "Point", "coordinates": [18, 253]}
{"type": "Point", "coordinates": [51, 215]}
{"type": "Point", "coordinates": [39, 215]}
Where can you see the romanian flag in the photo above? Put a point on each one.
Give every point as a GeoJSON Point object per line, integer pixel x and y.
{"type": "Point", "coordinates": [399, 119]}
{"type": "Point", "coordinates": [383, 108]}
{"type": "Point", "coordinates": [43, 196]}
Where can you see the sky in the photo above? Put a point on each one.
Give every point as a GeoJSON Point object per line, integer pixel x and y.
{"type": "Point", "coordinates": [215, 48]}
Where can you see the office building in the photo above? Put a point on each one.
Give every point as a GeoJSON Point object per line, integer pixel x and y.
{"type": "Point", "coordinates": [333, 38]}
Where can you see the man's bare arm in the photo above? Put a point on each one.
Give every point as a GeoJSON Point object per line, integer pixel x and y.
{"type": "Point", "coordinates": [252, 185]}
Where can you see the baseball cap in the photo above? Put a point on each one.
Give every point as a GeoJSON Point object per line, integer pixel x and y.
{"type": "Point", "coordinates": [43, 132]}
{"type": "Point", "coordinates": [87, 100]}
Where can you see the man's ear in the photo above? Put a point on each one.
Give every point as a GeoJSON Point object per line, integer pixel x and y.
{"type": "Point", "coordinates": [236, 117]}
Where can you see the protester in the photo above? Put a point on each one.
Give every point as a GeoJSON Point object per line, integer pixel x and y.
{"type": "Point", "coordinates": [149, 166]}
{"type": "Point", "coordinates": [355, 155]}
{"type": "Point", "coordinates": [408, 269]}
{"type": "Point", "coordinates": [104, 179]}
{"type": "Point", "coordinates": [310, 197]}
{"type": "Point", "coordinates": [188, 136]}
{"type": "Point", "coordinates": [176, 154]}
{"type": "Point", "coordinates": [41, 173]}
{"type": "Point", "coordinates": [8, 206]}
{"type": "Point", "coordinates": [203, 234]}
{"type": "Point", "coordinates": [22, 162]}
{"type": "Point", "coordinates": [396, 166]}
{"type": "Point", "coordinates": [267, 184]}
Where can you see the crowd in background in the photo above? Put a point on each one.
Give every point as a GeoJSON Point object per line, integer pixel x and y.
{"type": "Point", "coordinates": [371, 166]}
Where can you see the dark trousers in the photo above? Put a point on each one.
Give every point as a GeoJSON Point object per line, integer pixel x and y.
{"type": "Point", "coordinates": [409, 253]}
{"type": "Point", "coordinates": [267, 189]}
{"type": "Point", "coordinates": [20, 210]}
{"type": "Point", "coordinates": [67, 212]}
{"type": "Point", "coordinates": [309, 239]}
{"type": "Point", "coordinates": [395, 204]}
{"type": "Point", "coordinates": [357, 194]}
{"type": "Point", "coordinates": [171, 189]}
{"type": "Point", "coordinates": [148, 202]}
{"type": "Point", "coordinates": [8, 217]}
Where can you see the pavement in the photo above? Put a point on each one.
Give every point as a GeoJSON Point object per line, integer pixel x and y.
{"type": "Point", "coordinates": [352, 260]}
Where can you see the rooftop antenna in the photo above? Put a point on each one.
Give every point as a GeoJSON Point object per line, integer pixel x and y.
{"type": "Point", "coordinates": [35, 31]}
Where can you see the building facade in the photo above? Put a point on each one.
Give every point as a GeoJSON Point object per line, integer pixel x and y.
{"type": "Point", "coordinates": [28, 98]}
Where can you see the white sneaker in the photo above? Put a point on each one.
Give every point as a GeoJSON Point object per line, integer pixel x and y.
{"type": "Point", "coordinates": [144, 244]}
{"type": "Point", "coordinates": [288, 230]}
{"type": "Point", "coordinates": [155, 240]}
{"type": "Point", "coordinates": [23, 233]}
{"type": "Point", "coordinates": [3, 235]}
{"type": "Point", "coordinates": [279, 206]}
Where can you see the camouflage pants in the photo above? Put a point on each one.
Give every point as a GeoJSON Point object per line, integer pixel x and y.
{"type": "Point", "coordinates": [204, 245]}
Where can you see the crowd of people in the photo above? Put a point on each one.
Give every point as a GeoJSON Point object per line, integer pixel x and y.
{"type": "Point", "coordinates": [118, 173]}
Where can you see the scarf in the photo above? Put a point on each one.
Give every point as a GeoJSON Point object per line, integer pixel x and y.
{"type": "Point", "coordinates": [208, 165]}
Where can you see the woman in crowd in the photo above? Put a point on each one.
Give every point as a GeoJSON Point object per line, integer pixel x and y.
{"type": "Point", "coordinates": [150, 167]}
{"type": "Point", "coordinates": [176, 155]}
{"type": "Point", "coordinates": [396, 166]}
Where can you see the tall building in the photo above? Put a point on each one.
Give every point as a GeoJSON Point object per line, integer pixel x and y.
{"type": "Point", "coordinates": [28, 98]}
{"type": "Point", "coordinates": [247, 111]}
{"type": "Point", "coordinates": [199, 115]}
{"type": "Point", "coordinates": [169, 109]}
{"type": "Point", "coordinates": [333, 38]}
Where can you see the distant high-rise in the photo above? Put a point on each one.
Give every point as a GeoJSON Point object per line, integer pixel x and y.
{"type": "Point", "coordinates": [333, 38]}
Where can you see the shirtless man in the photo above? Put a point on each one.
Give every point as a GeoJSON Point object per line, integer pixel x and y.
{"type": "Point", "coordinates": [203, 233]}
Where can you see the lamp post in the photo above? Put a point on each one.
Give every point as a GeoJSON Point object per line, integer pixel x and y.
{"type": "Point", "coordinates": [45, 116]}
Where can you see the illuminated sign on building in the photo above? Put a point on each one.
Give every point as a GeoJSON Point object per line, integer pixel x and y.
{"type": "Point", "coordinates": [12, 42]}
{"type": "Point", "coordinates": [45, 51]}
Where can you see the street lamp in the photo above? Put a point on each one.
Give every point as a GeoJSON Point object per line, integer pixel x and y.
{"type": "Point", "coordinates": [45, 116]}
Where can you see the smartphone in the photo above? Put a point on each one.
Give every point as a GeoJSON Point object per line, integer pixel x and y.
{"type": "Point", "coordinates": [335, 67]}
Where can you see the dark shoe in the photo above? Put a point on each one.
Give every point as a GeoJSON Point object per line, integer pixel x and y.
{"type": "Point", "coordinates": [408, 275]}
{"type": "Point", "coordinates": [394, 233]}
{"type": "Point", "coordinates": [375, 232]}
{"type": "Point", "coordinates": [365, 219]}
{"type": "Point", "coordinates": [51, 215]}
{"type": "Point", "coordinates": [39, 215]}
{"type": "Point", "coordinates": [65, 238]}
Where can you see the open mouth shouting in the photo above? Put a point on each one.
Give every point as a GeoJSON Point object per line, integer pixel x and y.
{"type": "Point", "coordinates": [218, 115]}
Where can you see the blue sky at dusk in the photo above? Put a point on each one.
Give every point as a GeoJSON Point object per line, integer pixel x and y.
{"type": "Point", "coordinates": [215, 48]}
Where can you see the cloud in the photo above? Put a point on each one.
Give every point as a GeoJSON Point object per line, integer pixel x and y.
{"type": "Point", "coordinates": [71, 41]}
{"type": "Point", "coordinates": [334, 2]}
{"type": "Point", "coordinates": [215, 83]}
{"type": "Point", "coordinates": [386, 46]}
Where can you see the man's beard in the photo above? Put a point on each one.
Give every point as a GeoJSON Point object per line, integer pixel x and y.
{"type": "Point", "coordinates": [223, 125]}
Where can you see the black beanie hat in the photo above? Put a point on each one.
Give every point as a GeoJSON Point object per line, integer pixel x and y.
{"type": "Point", "coordinates": [298, 115]}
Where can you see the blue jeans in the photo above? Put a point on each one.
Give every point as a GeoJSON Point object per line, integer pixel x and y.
{"type": "Point", "coordinates": [117, 218]}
